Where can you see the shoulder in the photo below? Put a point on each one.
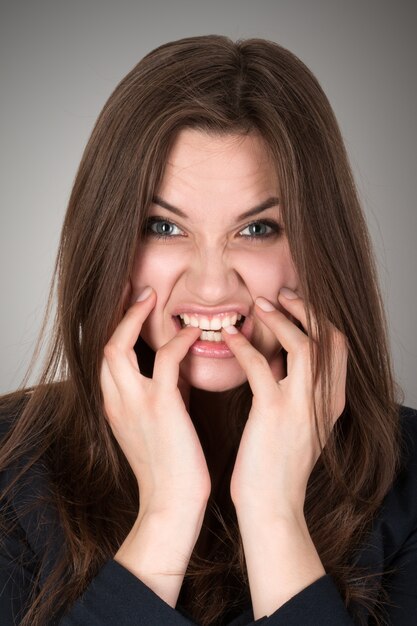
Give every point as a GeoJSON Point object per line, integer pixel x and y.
{"type": "Point", "coordinates": [26, 498]}
{"type": "Point", "coordinates": [408, 470]}
{"type": "Point", "coordinates": [11, 407]}
{"type": "Point", "coordinates": [408, 420]}
{"type": "Point", "coordinates": [397, 519]}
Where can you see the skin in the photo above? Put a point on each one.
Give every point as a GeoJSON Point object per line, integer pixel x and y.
{"type": "Point", "coordinates": [213, 180]}
{"type": "Point", "coordinates": [149, 418]}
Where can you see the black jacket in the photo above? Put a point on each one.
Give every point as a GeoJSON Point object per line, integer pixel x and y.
{"type": "Point", "coordinates": [117, 597]}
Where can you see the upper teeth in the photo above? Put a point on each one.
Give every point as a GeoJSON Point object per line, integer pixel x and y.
{"type": "Point", "coordinates": [214, 324]}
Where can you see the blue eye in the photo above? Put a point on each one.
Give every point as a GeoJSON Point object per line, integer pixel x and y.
{"type": "Point", "coordinates": [160, 228]}
{"type": "Point", "coordinates": [259, 230]}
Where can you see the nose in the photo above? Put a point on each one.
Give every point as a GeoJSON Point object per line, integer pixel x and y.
{"type": "Point", "coordinates": [211, 277]}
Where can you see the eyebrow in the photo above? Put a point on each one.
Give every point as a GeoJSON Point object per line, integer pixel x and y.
{"type": "Point", "coordinates": [266, 204]}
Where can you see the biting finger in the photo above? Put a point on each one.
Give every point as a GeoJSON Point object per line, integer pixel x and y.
{"type": "Point", "coordinates": [253, 363]}
{"type": "Point", "coordinates": [169, 357]}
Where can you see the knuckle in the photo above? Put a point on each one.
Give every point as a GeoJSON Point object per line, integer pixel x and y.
{"type": "Point", "coordinates": [304, 349]}
{"type": "Point", "coordinates": [109, 411]}
{"type": "Point", "coordinates": [112, 350]}
{"type": "Point", "coordinates": [340, 405]}
{"type": "Point", "coordinates": [339, 338]}
{"type": "Point", "coordinates": [340, 345]}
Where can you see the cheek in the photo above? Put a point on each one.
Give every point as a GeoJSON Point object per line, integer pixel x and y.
{"type": "Point", "coordinates": [265, 277]}
{"type": "Point", "coordinates": [266, 273]}
{"type": "Point", "coordinates": [160, 271]}
{"type": "Point", "coordinates": [157, 269]}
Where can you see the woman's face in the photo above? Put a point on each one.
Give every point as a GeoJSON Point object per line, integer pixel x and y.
{"type": "Point", "coordinates": [212, 261]}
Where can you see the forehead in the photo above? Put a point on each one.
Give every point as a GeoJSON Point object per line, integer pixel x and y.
{"type": "Point", "coordinates": [199, 160]}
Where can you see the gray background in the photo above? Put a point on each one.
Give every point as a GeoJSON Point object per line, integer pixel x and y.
{"type": "Point", "coordinates": [60, 60]}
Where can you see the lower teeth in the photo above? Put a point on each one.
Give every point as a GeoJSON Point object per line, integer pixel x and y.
{"type": "Point", "coordinates": [210, 335]}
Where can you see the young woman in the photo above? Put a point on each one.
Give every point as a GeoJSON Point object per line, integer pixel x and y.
{"type": "Point", "coordinates": [216, 437]}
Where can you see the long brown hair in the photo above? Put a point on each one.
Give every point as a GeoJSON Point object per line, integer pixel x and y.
{"type": "Point", "coordinates": [220, 86]}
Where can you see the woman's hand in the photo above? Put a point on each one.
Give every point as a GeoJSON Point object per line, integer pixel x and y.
{"type": "Point", "coordinates": [277, 452]}
{"type": "Point", "coordinates": [149, 419]}
{"type": "Point", "coordinates": [279, 445]}
{"type": "Point", "coordinates": [151, 423]}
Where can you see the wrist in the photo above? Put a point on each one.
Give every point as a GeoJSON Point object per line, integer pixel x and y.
{"type": "Point", "coordinates": [158, 549]}
{"type": "Point", "coordinates": [280, 555]}
{"type": "Point", "coordinates": [271, 515]}
{"type": "Point", "coordinates": [172, 508]}
{"type": "Point", "coordinates": [181, 526]}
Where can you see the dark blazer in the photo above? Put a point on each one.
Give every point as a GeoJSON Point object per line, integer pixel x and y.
{"type": "Point", "coordinates": [117, 597]}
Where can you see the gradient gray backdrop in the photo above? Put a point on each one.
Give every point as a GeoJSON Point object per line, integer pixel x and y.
{"type": "Point", "coordinates": [60, 60]}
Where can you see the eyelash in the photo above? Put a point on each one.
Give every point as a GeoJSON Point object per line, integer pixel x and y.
{"type": "Point", "coordinates": [275, 226]}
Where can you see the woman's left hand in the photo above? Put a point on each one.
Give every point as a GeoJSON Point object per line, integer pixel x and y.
{"type": "Point", "coordinates": [279, 445]}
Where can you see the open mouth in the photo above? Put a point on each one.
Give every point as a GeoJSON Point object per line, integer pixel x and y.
{"type": "Point", "coordinates": [208, 334]}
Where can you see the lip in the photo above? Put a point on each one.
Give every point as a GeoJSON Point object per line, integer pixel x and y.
{"type": "Point", "coordinates": [216, 349]}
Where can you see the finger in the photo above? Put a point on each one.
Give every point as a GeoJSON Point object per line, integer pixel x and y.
{"type": "Point", "coordinates": [110, 392]}
{"type": "Point", "coordinates": [288, 334]}
{"type": "Point", "coordinates": [128, 330]}
{"type": "Point", "coordinates": [119, 350]}
{"type": "Point", "coordinates": [168, 358]}
{"type": "Point", "coordinates": [295, 305]}
{"type": "Point", "coordinates": [253, 363]}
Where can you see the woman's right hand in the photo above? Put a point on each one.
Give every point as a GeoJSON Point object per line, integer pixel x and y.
{"type": "Point", "coordinates": [153, 428]}
{"type": "Point", "coordinates": [149, 419]}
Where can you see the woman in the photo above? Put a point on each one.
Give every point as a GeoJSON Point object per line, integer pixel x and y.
{"type": "Point", "coordinates": [217, 436]}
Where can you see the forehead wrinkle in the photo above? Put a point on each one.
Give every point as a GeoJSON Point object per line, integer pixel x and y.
{"type": "Point", "coordinates": [202, 201]}
{"type": "Point", "coordinates": [193, 191]}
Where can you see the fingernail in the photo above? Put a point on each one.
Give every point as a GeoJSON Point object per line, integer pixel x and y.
{"type": "Point", "coordinates": [145, 293]}
{"type": "Point", "coordinates": [231, 330]}
{"type": "Point", "coordinates": [287, 293]}
{"type": "Point", "coordinates": [265, 305]}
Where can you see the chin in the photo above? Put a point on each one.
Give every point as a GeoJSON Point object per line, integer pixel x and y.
{"type": "Point", "coordinates": [219, 375]}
